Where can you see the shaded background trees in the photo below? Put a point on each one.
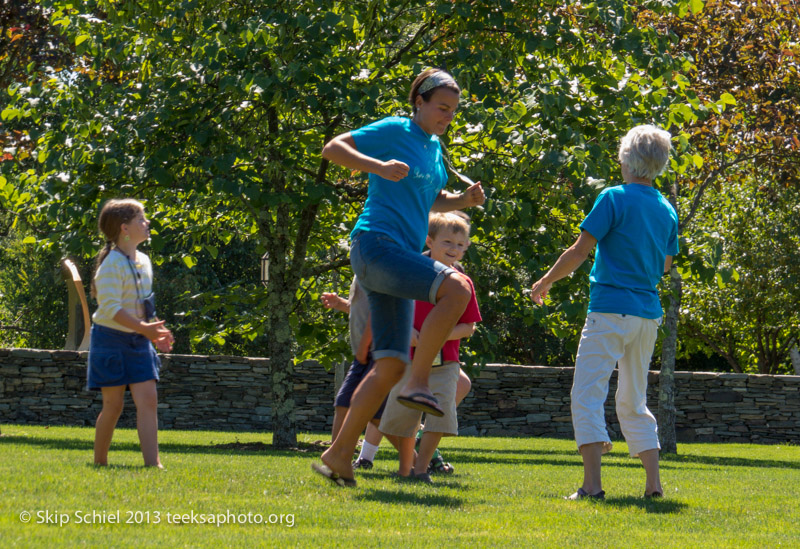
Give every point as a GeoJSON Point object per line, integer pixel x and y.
{"type": "Point", "coordinates": [215, 113]}
{"type": "Point", "coordinates": [738, 196]}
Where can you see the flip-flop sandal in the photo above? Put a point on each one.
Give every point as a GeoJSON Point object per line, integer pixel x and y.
{"type": "Point", "coordinates": [422, 402]}
{"type": "Point", "coordinates": [326, 472]}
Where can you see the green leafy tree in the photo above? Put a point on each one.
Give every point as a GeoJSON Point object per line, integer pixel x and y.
{"type": "Point", "coordinates": [215, 113]}
{"type": "Point", "coordinates": [750, 315]}
{"type": "Point", "coordinates": [739, 122]}
{"type": "Point", "coordinates": [29, 282]}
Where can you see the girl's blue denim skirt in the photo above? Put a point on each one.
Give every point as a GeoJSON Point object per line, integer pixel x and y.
{"type": "Point", "coordinates": [119, 358]}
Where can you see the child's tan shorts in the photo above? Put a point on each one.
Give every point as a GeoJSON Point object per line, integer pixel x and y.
{"type": "Point", "coordinates": [402, 421]}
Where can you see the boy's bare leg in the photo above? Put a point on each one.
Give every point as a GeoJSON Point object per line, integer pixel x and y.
{"type": "Point", "coordinates": [591, 454]}
{"type": "Point", "coordinates": [394, 440]}
{"type": "Point", "coordinates": [371, 445]}
{"type": "Point", "coordinates": [451, 301]}
{"type": "Point", "coordinates": [427, 446]}
{"type": "Point", "coordinates": [373, 435]}
{"type": "Point", "coordinates": [365, 402]}
{"type": "Point", "coordinates": [650, 462]}
{"type": "Point", "coordinates": [113, 401]}
{"type": "Point", "coordinates": [145, 396]}
{"type": "Point", "coordinates": [463, 386]}
{"type": "Point", "coordinates": [405, 456]}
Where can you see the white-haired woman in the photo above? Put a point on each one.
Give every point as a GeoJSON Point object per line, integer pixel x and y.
{"type": "Point", "coordinates": [635, 232]}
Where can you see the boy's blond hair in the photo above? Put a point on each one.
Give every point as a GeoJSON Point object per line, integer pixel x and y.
{"type": "Point", "coordinates": [455, 221]}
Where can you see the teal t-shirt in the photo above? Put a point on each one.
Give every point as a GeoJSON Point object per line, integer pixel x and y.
{"type": "Point", "coordinates": [636, 229]}
{"type": "Point", "coordinates": [400, 209]}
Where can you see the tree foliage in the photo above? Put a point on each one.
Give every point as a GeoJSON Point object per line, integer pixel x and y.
{"type": "Point", "coordinates": [750, 314]}
{"type": "Point", "coordinates": [743, 158]}
{"type": "Point", "coordinates": [215, 113]}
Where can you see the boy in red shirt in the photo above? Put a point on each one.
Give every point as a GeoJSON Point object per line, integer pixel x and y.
{"type": "Point", "coordinates": [448, 240]}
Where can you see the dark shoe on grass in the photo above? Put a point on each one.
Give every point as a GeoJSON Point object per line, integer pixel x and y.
{"type": "Point", "coordinates": [421, 477]}
{"type": "Point", "coordinates": [439, 466]}
{"type": "Point", "coordinates": [653, 495]}
{"type": "Point", "coordinates": [583, 494]}
{"type": "Point", "coordinates": [362, 463]}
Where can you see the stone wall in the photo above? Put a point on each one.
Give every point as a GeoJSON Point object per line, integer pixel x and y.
{"type": "Point", "coordinates": [231, 393]}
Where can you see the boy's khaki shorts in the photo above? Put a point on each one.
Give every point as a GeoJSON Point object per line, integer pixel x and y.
{"type": "Point", "coordinates": [402, 421]}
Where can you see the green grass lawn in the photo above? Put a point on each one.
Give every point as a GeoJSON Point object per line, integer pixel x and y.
{"type": "Point", "coordinates": [505, 492]}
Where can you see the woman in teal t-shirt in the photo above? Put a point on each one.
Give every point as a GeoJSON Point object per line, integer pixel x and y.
{"type": "Point", "coordinates": [634, 231]}
{"type": "Point", "coordinates": [403, 158]}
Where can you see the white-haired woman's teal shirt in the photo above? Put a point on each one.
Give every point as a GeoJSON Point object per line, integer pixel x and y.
{"type": "Point", "coordinates": [400, 209]}
{"type": "Point", "coordinates": [636, 229]}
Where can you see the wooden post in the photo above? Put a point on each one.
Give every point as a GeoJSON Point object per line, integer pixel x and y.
{"type": "Point", "coordinates": [79, 320]}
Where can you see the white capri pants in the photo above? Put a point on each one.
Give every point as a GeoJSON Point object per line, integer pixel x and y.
{"type": "Point", "coordinates": [607, 340]}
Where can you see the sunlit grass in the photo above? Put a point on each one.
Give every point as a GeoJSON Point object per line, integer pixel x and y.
{"type": "Point", "coordinates": [505, 492]}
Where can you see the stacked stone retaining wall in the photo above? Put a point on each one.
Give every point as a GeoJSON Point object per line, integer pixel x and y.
{"type": "Point", "coordinates": [232, 394]}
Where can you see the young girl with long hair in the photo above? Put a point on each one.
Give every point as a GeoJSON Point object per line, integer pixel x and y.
{"type": "Point", "coordinates": [124, 330]}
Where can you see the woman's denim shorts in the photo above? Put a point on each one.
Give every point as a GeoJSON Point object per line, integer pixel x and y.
{"type": "Point", "coordinates": [393, 277]}
{"type": "Point", "coordinates": [119, 358]}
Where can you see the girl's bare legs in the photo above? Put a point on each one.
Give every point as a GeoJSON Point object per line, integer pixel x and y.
{"type": "Point", "coordinates": [113, 401]}
{"type": "Point", "coordinates": [451, 301]}
{"type": "Point", "coordinates": [145, 396]}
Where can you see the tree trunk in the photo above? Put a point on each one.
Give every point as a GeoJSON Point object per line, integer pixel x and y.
{"type": "Point", "coordinates": [284, 431]}
{"type": "Point", "coordinates": [338, 375]}
{"type": "Point", "coordinates": [281, 291]}
{"type": "Point", "coordinates": [666, 379]}
{"type": "Point", "coordinates": [281, 365]}
{"type": "Point", "coordinates": [795, 354]}
{"type": "Point", "coordinates": [669, 348]}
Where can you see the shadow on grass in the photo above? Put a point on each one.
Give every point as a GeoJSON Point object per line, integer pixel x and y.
{"type": "Point", "coordinates": [620, 459]}
{"type": "Point", "coordinates": [403, 497]}
{"type": "Point", "coordinates": [439, 480]}
{"type": "Point", "coordinates": [114, 466]}
{"type": "Point", "coordinates": [257, 448]}
{"type": "Point", "coordinates": [454, 455]}
{"type": "Point", "coordinates": [238, 448]}
{"type": "Point", "coordinates": [654, 506]}
{"type": "Point", "coordinates": [517, 451]}
{"type": "Point", "coordinates": [668, 461]}
{"type": "Point", "coordinates": [730, 461]}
